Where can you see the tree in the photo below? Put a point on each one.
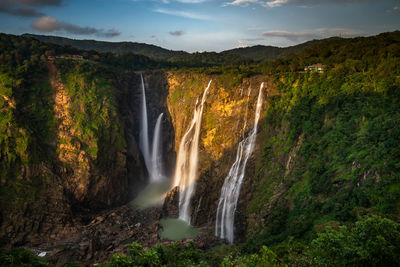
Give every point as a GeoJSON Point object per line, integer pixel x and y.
{"type": "Point", "coordinates": [373, 241]}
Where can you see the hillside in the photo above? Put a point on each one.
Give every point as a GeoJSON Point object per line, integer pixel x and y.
{"type": "Point", "coordinates": [270, 53]}
{"type": "Point", "coordinates": [321, 186]}
{"type": "Point", "coordinates": [256, 53]}
{"type": "Point", "coordinates": [151, 51]}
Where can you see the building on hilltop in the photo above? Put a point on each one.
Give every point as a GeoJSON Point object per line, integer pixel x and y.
{"type": "Point", "coordinates": [315, 68]}
{"type": "Point", "coordinates": [79, 57]}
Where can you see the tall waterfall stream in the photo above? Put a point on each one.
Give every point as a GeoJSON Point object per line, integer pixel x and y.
{"type": "Point", "coordinates": [187, 160]}
{"type": "Point", "coordinates": [155, 191]}
{"type": "Point", "coordinates": [224, 224]}
{"type": "Point", "coordinates": [186, 170]}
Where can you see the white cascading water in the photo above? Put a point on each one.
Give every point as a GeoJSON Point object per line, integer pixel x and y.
{"type": "Point", "coordinates": [144, 134]}
{"type": "Point", "coordinates": [156, 164]}
{"type": "Point", "coordinates": [186, 164]}
{"type": "Point", "coordinates": [152, 160]}
{"type": "Point", "coordinates": [224, 225]}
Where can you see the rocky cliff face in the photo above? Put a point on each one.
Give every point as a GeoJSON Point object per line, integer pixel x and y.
{"type": "Point", "coordinates": [96, 162]}
{"type": "Point", "coordinates": [227, 117]}
{"type": "Point", "coordinates": [93, 161]}
{"type": "Point", "coordinates": [156, 88]}
{"type": "Point", "coordinates": [79, 152]}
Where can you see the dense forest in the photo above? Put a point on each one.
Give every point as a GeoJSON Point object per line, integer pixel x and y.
{"type": "Point", "coordinates": [255, 53]}
{"type": "Point", "coordinates": [328, 180]}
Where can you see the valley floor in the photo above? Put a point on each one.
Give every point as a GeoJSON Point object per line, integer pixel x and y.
{"type": "Point", "coordinates": [111, 232]}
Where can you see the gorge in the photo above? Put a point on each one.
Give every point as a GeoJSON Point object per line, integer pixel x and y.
{"type": "Point", "coordinates": [266, 162]}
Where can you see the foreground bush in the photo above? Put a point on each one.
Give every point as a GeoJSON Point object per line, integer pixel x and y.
{"type": "Point", "coordinates": [373, 241]}
{"type": "Point", "coordinates": [19, 257]}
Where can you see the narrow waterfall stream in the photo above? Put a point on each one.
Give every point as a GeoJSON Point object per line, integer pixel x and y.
{"type": "Point", "coordinates": [155, 191]}
{"type": "Point", "coordinates": [156, 173]}
{"type": "Point", "coordinates": [224, 224]}
{"type": "Point", "coordinates": [186, 164]}
{"type": "Point", "coordinates": [152, 160]}
{"type": "Point", "coordinates": [144, 132]}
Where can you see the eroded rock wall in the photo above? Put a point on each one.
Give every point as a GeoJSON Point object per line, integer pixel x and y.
{"type": "Point", "coordinates": [228, 116]}
{"type": "Point", "coordinates": [93, 161]}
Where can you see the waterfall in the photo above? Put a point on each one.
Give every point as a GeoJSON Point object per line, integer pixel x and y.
{"type": "Point", "coordinates": [156, 164]}
{"type": "Point", "coordinates": [186, 164]}
{"type": "Point", "coordinates": [231, 188]}
{"type": "Point", "coordinates": [152, 160]}
{"type": "Point", "coordinates": [144, 135]}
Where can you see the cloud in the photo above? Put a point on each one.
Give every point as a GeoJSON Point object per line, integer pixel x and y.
{"type": "Point", "coordinates": [292, 36]}
{"type": "Point", "coordinates": [395, 9]}
{"type": "Point", "coordinates": [191, 1]}
{"type": "Point", "coordinates": [314, 34]}
{"type": "Point", "coordinates": [242, 2]}
{"type": "Point", "coordinates": [40, 2]}
{"type": "Point", "coordinates": [249, 42]}
{"type": "Point", "coordinates": [279, 3]}
{"type": "Point", "coordinates": [111, 33]}
{"type": "Point", "coordinates": [23, 8]}
{"type": "Point", "coordinates": [21, 11]}
{"type": "Point", "coordinates": [276, 3]}
{"type": "Point", "coordinates": [50, 24]}
{"type": "Point", "coordinates": [180, 1]}
{"type": "Point", "coordinates": [177, 33]}
{"type": "Point", "coordinates": [184, 14]}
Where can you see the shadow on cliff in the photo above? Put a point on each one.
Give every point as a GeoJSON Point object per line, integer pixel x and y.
{"type": "Point", "coordinates": [156, 87]}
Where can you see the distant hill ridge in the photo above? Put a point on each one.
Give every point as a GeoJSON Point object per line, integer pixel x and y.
{"type": "Point", "coordinates": [256, 53]}
{"type": "Point", "coordinates": [269, 53]}
{"type": "Point", "coordinates": [151, 51]}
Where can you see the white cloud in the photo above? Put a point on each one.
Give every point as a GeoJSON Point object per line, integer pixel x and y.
{"type": "Point", "coordinates": [181, 1]}
{"type": "Point", "coordinates": [292, 36]}
{"type": "Point", "coordinates": [276, 3]}
{"type": "Point", "coordinates": [191, 1]}
{"type": "Point", "coordinates": [302, 3]}
{"type": "Point", "coordinates": [46, 24]}
{"type": "Point", "coordinates": [50, 24]}
{"type": "Point", "coordinates": [180, 13]}
{"type": "Point", "coordinates": [243, 2]}
{"type": "Point", "coordinates": [395, 9]}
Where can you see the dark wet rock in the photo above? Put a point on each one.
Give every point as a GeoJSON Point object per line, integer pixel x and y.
{"type": "Point", "coordinates": [112, 232]}
{"type": "Point", "coordinates": [171, 204]}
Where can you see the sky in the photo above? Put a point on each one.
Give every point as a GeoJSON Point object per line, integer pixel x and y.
{"type": "Point", "coordinates": [201, 25]}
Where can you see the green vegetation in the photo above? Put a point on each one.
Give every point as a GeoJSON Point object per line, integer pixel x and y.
{"type": "Point", "coordinates": [19, 257]}
{"type": "Point", "coordinates": [234, 56]}
{"type": "Point", "coordinates": [29, 167]}
{"type": "Point", "coordinates": [150, 51]}
{"type": "Point", "coordinates": [143, 56]}
{"type": "Point", "coordinates": [371, 241]}
{"type": "Point", "coordinates": [189, 255]}
{"type": "Point", "coordinates": [270, 53]}
{"type": "Point", "coordinates": [327, 189]}
{"type": "Point", "coordinates": [331, 151]}
{"type": "Point", "coordinates": [26, 119]}
{"type": "Point", "coordinates": [93, 104]}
